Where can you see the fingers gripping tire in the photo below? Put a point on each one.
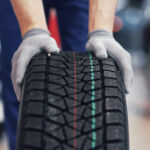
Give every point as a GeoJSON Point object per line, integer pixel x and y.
{"type": "Point", "coordinates": [72, 101]}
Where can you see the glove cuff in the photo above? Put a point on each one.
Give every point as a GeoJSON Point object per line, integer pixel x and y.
{"type": "Point", "coordinates": [100, 33]}
{"type": "Point", "coordinates": [35, 31]}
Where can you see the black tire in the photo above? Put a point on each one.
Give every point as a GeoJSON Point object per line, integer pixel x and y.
{"type": "Point", "coordinates": [72, 101]}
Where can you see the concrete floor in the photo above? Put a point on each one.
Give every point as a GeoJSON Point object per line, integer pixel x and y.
{"type": "Point", "coordinates": [139, 119]}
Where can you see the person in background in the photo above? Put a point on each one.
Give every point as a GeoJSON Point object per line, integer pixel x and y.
{"type": "Point", "coordinates": [85, 25]}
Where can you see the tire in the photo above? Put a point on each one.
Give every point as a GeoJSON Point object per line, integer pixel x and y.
{"type": "Point", "coordinates": [72, 101]}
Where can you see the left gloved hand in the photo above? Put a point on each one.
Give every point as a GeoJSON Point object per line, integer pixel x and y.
{"type": "Point", "coordinates": [34, 41]}
{"type": "Point", "coordinates": [102, 43]}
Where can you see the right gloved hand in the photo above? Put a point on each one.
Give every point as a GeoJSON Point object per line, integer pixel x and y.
{"type": "Point", "coordinates": [102, 43]}
{"type": "Point", "coordinates": [33, 42]}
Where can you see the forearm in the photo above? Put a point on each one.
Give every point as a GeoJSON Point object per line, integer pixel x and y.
{"type": "Point", "coordinates": [101, 14]}
{"type": "Point", "coordinates": [30, 14]}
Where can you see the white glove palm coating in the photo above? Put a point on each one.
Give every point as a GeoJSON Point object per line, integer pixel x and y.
{"type": "Point", "coordinates": [103, 44]}
{"type": "Point", "coordinates": [34, 41]}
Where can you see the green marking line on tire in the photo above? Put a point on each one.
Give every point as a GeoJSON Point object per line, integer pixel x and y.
{"type": "Point", "coordinates": [93, 103]}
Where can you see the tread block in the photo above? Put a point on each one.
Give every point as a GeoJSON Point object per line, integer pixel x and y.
{"type": "Point", "coordinates": [86, 69]}
{"type": "Point", "coordinates": [32, 138]}
{"type": "Point", "coordinates": [110, 82]}
{"type": "Point", "coordinates": [58, 104]}
{"type": "Point", "coordinates": [80, 143]}
{"type": "Point", "coordinates": [114, 118]}
{"type": "Point", "coordinates": [36, 85]}
{"type": "Point", "coordinates": [99, 138]}
{"type": "Point", "coordinates": [34, 108]}
{"type": "Point", "coordinates": [54, 97]}
{"type": "Point", "coordinates": [113, 92]}
{"type": "Point", "coordinates": [109, 74]}
{"type": "Point", "coordinates": [114, 104]}
{"type": "Point", "coordinates": [58, 134]}
{"type": "Point", "coordinates": [60, 81]}
{"type": "Point", "coordinates": [57, 64]}
{"type": "Point", "coordinates": [88, 85]}
{"type": "Point", "coordinates": [52, 112]}
{"type": "Point", "coordinates": [116, 146]}
{"type": "Point", "coordinates": [59, 92]}
{"type": "Point", "coordinates": [53, 77]}
{"type": "Point", "coordinates": [36, 76]}
{"type": "Point", "coordinates": [109, 91]}
{"type": "Point", "coordinates": [115, 133]}
{"type": "Point", "coordinates": [35, 96]}
{"type": "Point", "coordinates": [109, 68]}
{"type": "Point", "coordinates": [37, 69]}
{"type": "Point", "coordinates": [33, 122]}
{"type": "Point", "coordinates": [54, 145]}
{"type": "Point", "coordinates": [70, 103]}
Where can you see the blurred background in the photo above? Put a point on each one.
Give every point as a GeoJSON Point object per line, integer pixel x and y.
{"type": "Point", "coordinates": [132, 30]}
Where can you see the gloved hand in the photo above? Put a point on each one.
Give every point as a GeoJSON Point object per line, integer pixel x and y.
{"type": "Point", "coordinates": [103, 44]}
{"type": "Point", "coordinates": [33, 42]}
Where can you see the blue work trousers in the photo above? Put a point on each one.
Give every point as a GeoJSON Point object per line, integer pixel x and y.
{"type": "Point", "coordinates": [73, 26]}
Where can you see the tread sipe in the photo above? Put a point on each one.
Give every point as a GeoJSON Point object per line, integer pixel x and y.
{"type": "Point", "coordinates": [72, 101]}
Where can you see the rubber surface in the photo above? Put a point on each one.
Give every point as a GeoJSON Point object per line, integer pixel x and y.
{"type": "Point", "coordinates": [72, 101]}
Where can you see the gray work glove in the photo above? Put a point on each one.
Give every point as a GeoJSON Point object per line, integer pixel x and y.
{"type": "Point", "coordinates": [103, 44]}
{"type": "Point", "coordinates": [33, 42]}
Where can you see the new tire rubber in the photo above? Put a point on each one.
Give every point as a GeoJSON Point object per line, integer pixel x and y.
{"type": "Point", "coordinates": [72, 101]}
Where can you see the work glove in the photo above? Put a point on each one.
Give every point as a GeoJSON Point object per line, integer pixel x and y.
{"type": "Point", "coordinates": [34, 42]}
{"type": "Point", "coordinates": [102, 43]}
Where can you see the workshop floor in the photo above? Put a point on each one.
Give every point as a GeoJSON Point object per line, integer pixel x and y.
{"type": "Point", "coordinates": [3, 143]}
